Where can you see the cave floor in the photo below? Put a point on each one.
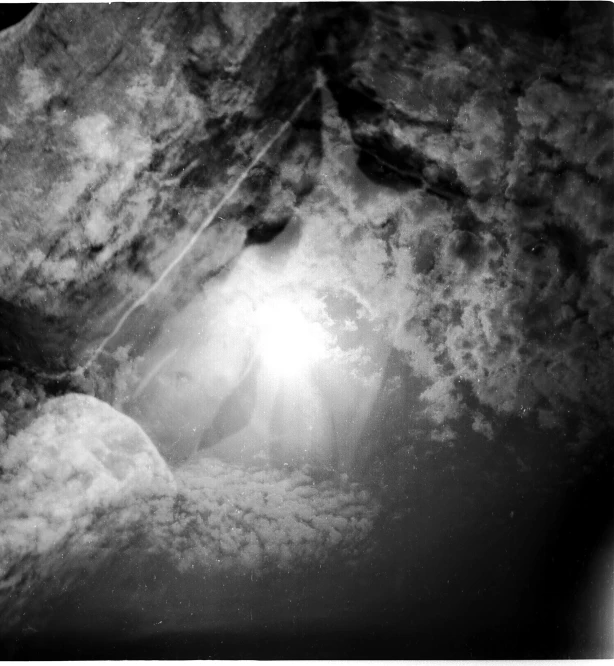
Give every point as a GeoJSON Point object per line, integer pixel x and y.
{"type": "Point", "coordinates": [511, 574]}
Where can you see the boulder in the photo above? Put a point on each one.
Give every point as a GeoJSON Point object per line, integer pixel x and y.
{"type": "Point", "coordinates": [73, 477]}
{"type": "Point", "coordinates": [78, 457]}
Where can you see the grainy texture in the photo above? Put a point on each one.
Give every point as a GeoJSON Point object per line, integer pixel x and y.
{"type": "Point", "coordinates": [120, 128]}
{"type": "Point", "coordinates": [498, 147]}
{"type": "Point", "coordinates": [440, 215]}
{"type": "Point", "coordinates": [77, 460]}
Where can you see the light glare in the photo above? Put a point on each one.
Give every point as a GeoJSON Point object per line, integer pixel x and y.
{"type": "Point", "coordinates": [288, 343]}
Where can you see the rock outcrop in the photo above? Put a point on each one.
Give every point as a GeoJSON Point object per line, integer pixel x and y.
{"type": "Point", "coordinates": [83, 484]}
{"type": "Point", "coordinates": [121, 127]}
{"type": "Point", "coordinates": [78, 456]}
{"type": "Point", "coordinates": [499, 147]}
{"type": "Point", "coordinates": [482, 169]}
{"type": "Point", "coordinates": [76, 462]}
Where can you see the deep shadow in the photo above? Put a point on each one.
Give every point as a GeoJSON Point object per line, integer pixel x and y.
{"type": "Point", "coordinates": [12, 13]}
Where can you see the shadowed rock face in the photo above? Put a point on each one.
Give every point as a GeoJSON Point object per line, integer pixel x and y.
{"type": "Point", "coordinates": [505, 139]}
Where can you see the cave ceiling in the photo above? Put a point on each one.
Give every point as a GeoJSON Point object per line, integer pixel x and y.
{"type": "Point", "coordinates": [449, 174]}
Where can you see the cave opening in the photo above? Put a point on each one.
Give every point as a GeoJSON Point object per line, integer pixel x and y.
{"type": "Point", "coordinates": [356, 404]}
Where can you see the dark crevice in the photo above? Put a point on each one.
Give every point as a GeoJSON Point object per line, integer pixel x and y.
{"type": "Point", "coordinates": [113, 58]}
{"type": "Point", "coordinates": [466, 246]}
{"type": "Point", "coordinates": [355, 101]}
{"type": "Point", "coordinates": [460, 37]}
{"type": "Point", "coordinates": [385, 174]}
{"type": "Point", "coordinates": [198, 75]}
{"type": "Point", "coordinates": [26, 337]}
{"type": "Point", "coordinates": [403, 170]}
{"type": "Point", "coordinates": [263, 233]}
{"type": "Point", "coordinates": [57, 38]}
{"type": "Point", "coordinates": [157, 160]}
{"type": "Point", "coordinates": [137, 255]}
{"type": "Point", "coordinates": [574, 251]}
{"type": "Point", "coordinates": [465, 220]}
{"type": "Point", "coordinates": [95, 249]}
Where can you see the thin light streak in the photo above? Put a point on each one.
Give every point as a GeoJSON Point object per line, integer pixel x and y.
{"type": "Point", "coordinates": [208, 220]}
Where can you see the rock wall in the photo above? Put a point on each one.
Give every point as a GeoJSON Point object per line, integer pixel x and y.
{"type": "Point", "coordinates": [122, 126]}
{"type": "Point", "coordinates": [500, 144]}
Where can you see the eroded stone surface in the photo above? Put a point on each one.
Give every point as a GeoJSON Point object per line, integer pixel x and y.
{"type": "Point", "coordinates": [495, 148]}
{"type": "Point", "coordinates": [120, 129]}
{"type": "Point", "coordinates": [79, 455]}
{"type": "Point", "coordinates": [77, 461]}
{"type": "Point", "coordinates": [478, 158]}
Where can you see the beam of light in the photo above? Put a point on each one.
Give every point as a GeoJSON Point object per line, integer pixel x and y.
{"type": "Point", "coordinates": [144, 383]}
{"type": "Point", "coordinates": [288, 343]}
{"type": "Point", "coordinates": [206, 222]}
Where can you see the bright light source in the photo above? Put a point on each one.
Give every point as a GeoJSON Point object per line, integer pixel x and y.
{"type": "Point", "coordinates": [288, 343]}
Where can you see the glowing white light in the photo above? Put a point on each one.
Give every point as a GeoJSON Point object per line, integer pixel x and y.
{"type": "Point", "coordinates": [288, 342]}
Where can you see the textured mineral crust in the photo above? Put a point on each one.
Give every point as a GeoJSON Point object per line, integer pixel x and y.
{"type": "Point", "coordinates": [120, 129]}
{"type": "Point", "coordinates": [498, 147]}
{"type": "Point", "coordinates": [430, 187]}
{"type": "Point", "coordinates": [83, 484]}
{"type": "Point", "coordinates": [484, 158]}
{"type": "Point", "coordinates": [79, 459]}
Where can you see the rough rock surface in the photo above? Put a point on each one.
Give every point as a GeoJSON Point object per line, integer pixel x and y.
{"type": "Point", "coordinates": [232, 518]}
{"type": "Point", "coordinates": [77, 460]}
{"type": "Point", "coordinates": [499, 146]}
{"type": "Point", "coordinates": [448, 188]}
{"type": "Point", "coordinates": [211, 518]}
{"type": "Point", "coordinates": [483, 168]}
{"type": "Point", "coordinates": [120, 129]}
{"type": "Point", "coordinates": [79, 455]}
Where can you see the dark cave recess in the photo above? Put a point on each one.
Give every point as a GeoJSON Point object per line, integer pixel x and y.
{"type": "Point", "coordinates": [12, 13]}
